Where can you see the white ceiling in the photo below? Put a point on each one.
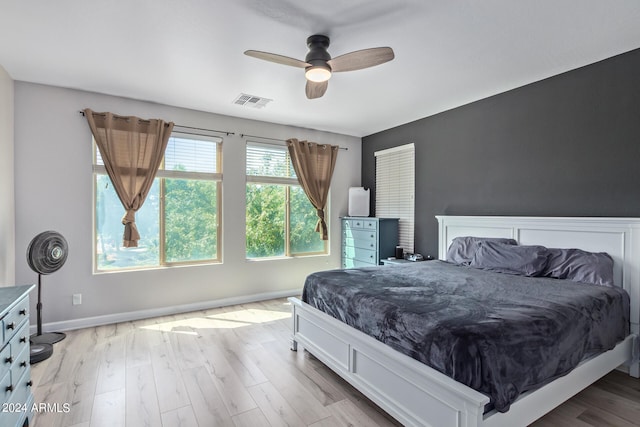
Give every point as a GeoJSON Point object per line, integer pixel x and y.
{"type": "Point", "coordinates": [189, 53]}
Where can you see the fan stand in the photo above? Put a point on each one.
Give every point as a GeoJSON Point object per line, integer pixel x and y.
{"type": "Point", "coordinates": [40, 352]}
{"type": "Point", "coordinates": [48, 338]}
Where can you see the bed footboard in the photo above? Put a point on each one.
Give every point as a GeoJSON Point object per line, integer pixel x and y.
{"type": "Point", "coordinates": [411, 392]}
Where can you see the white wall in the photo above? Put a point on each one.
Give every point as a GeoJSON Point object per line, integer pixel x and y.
{"type": "Point", "coordinates": [53, 178]}
{"type": "Point", "coordinates": [7, 212]}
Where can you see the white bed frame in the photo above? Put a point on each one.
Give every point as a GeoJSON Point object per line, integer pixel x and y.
{"type": "Point", "coordinates": [417, 395]}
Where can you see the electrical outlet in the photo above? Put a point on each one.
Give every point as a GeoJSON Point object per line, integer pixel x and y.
{"type": "Point", "coordinates": [77, 299]}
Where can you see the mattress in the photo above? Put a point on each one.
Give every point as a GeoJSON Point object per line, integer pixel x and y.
{"type": "Point", "coordinates": [499, 334]}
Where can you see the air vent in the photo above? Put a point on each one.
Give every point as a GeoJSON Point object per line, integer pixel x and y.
{"type": "Point", "coordinates": [251, 101]}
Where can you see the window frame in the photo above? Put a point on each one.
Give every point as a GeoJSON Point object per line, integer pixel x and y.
{"type": "Point", "coordinates": [162, 175]}
{"type": "Point", "coordinates": [287, 183]}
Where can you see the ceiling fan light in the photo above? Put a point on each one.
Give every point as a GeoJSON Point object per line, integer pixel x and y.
{"type": "Point", "coordinates": [317, 74]}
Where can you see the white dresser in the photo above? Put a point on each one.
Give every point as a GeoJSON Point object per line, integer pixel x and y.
{"type": "Point", "coordinates": [367, 240]}
{"type": "Point", "coordinates": [16, 398]}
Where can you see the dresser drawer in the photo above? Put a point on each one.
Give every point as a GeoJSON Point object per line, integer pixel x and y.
{"type": "Point", "coordinates": [5, 360]}
{"type": "Point", "coordinates": [15, 317]}
{"type": "Point", "coordinates": [360, 238]}
{"type": "Point", "coordinates": [12, 415]}
{"type": "Point", "coordinates": [370, 225]}
{"type": "Point", "coordinates": [5, 387]}
{"type": "Point", "coordinates": [356, 224]}
{"type": "Point", "coordinates": [359, 243]}
{"type": "Point", "coordinates": [20, 341]}
{"type": "Point", "coordinates": [359, 254]}
{"type": "Point", "coordinates": [21, 402]}
{"type": "Point", "coordinates": [351, 263]}
{"type": "Point", "coordinates": [361, 224]}
{"type": "Point", "coordinates": [22, 386]}
{"type": "Point", "coordinates": [20, 365]}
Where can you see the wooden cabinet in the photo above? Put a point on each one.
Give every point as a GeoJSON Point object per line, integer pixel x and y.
{"type": "Point", "coordinates": [16, 398]}
{"type": "Point", "coordinates": [366, 240]}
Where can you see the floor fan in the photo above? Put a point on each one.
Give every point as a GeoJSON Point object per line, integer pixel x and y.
{"type": "Point", "coordinates": [46, 254]}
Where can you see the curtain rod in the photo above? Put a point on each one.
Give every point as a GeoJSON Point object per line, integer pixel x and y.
{"type": "Point", "coordinates": [242, 135]}
{"type": "Point", "coordinates": [205, 130]}
{"type": "Point", "coordinates": [175, 126]}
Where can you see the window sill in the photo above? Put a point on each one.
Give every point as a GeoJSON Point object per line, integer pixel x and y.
{"type": "Point", "coordinates": [280, 258]}
{"type": "Point", "coordinates": [160, 267]}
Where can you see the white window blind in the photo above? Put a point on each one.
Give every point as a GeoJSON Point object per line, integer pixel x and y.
{"type": "Point", "coordinates": [395, 190]}
{"type": "Point", "coordinates": [191, 155]}
{"type": "Point", "coordinates": [187, 157]}
{"type": "Point", "coordinates": [269, 163]}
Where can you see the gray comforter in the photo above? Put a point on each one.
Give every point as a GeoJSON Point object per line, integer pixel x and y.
{"type": "Point", "coordinates": [497, 333]}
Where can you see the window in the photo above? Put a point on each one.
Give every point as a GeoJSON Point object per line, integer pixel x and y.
{"type": "Point", "coordinates": [280, 219]}
{"type": "Point", "coordinates": [395, 190]}
{"type": "Point", "coordinates": [179, 222]}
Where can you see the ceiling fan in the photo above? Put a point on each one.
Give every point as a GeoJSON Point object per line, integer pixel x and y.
{"type": "Point", "coordinates": [319, 65]}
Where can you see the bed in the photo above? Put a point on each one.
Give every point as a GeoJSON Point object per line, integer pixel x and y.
{"type": "Point", "coordinates": [417, 394]}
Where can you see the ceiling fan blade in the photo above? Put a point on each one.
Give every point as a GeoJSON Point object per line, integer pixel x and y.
{"type": "Point", "coordinates": [278, 59]}
{"type": "Point", "coordinates": [316, 90]}
{"type": "Point", "coordinates": [360, 59]}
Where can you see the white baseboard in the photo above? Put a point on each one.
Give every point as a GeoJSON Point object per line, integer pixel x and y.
{"type": "Point", "coordinates": [88, 322]}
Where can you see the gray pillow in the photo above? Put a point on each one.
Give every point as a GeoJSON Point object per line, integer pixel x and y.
{"type": "Point", "coordinates": [580, 266]}
{"type": "Point", "coordinates": [503, 258]}
{"type": "Point", "coordinates": [462, 249]}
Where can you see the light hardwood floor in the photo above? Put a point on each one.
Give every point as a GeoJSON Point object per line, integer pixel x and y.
{"type": "Point", "coordinates": [232, 366]}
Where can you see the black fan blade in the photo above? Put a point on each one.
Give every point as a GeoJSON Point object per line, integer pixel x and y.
{"type": "Point", "coordinates": [360, 59]}
{"type": "Point", "coordinates": [278, 59]}
{"type": "Point", "coordinates": [316, 90]}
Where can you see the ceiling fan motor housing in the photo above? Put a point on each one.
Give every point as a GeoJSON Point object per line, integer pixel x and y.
{"type": "Point", "coordinates": [318, 55]}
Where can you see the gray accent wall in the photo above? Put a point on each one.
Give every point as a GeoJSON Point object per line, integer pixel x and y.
{"type": "Point", "coordinates": [568, 145]}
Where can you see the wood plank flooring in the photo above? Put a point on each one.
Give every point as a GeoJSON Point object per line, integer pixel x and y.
{"type": "Point", "coordinates": [232, 366]}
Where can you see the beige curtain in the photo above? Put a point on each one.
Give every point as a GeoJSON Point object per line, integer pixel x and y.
{"type": "Point", "coordinates": [132, 150]}
{"type": "Point", "coordinates": [314, 164]}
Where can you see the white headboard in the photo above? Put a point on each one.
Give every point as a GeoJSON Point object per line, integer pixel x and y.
{"type": "Point", "coordinates": [619, 237]}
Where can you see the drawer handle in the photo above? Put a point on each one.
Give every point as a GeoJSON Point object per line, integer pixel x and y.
{"type": "Point", "coordinates": [11, 325]}
{"type": "Point", "coordinates": [373, 235]}
{"type": "Point", "coordinates": [23, 312]}
{"type": "Point", "coordinates": [372, 245]}
{"type": "Point", "coordinates": [23, 364]}
{"type": "Point", "coordinates": [9, 388]}
{"type": "Point", "coordinates": [23, 339]}
{"type": "Point", "coordinates": [29, 383]}
{"type": "Point", "coordinates": [8, 359]}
